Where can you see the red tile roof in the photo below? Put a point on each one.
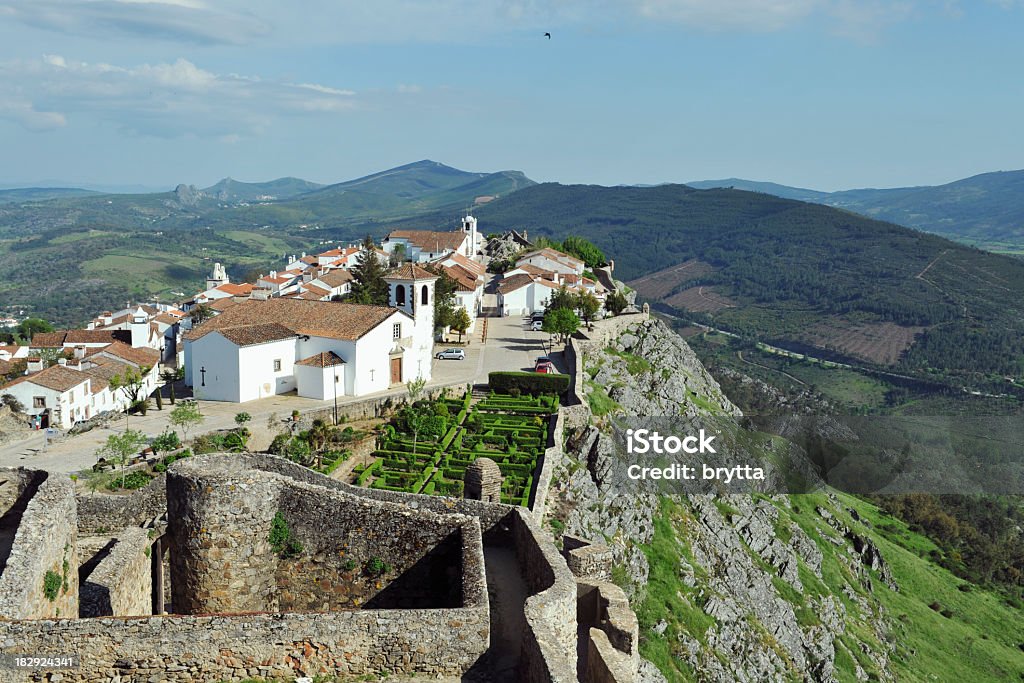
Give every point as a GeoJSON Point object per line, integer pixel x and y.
{"type": "Point", "coordinates": [327, 319]}
{"type": "Point", "coordinates": [514, 282]}
{"type": "Point", "coordinates": [142, 357]}
{"type": "Point", "coordinates": [54, 377]}
{"type": "Point", "coordinates": [428, 240]}
{"type": "Point", "coordinates": [54, 340]}
{"type": "Point", "coordinates": [327, 359]}
{"type": "Point", "coordinates": [409, 271]}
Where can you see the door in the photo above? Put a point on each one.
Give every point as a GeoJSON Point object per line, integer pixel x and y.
{"type": "Point", "coordinates": [396, 370]}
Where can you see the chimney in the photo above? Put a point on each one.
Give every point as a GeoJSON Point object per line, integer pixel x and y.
{"type": "Point", "coordinates": [63, 362]}
{"type": "Point", "coordinates": [107, 318]}
{"type": "Point", "coordinates": [79, 352]}
{"type": "Point", "coordinates": [33, 365]}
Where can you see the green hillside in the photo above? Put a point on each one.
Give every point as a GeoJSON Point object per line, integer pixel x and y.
{"type": "Point", "coordinates": [233, 190]}
{"type": "Point", "coordinates": [985, 210]}
{"type": "Point", "coordinates": [40, 194]}
{"type": "Point", "coordinates": [800, 274]}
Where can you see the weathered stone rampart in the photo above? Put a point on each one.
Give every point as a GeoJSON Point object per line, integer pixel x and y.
{"type": "Point", "coordinates": [39, 578]}
{"type": "Point", "coordinates": [121, 584]}
{"type": "Point", "coordinates": [104, 513]}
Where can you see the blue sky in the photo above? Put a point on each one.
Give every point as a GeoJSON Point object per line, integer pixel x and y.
{"type": "Point", "coordinates": [828, 94]}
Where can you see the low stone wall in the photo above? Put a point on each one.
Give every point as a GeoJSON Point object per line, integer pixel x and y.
{"type": "Point", "coordinates": [107, 512]}
{"type": "Point", "coordinates": [121, 585]}
{"type": "Point", "coordinates": [614, 633]}
{"type": "Point", "coordinates": [586, 559]}
{"type": "Point", "coordinates": [552, 456]}
{"type": "Point", "coordinates": [44, 543]}
{"type": "Point", "coordinates": [376, 407]}
{"type": "Point", "coordinates": [210, 649]}
{"type": "Point", "coordinates": [549, 648]}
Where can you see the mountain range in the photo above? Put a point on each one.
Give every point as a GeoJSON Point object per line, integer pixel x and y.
{"type": "Point", "coordinates": [985, 210]}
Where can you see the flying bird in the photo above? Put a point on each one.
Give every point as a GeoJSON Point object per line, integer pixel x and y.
{"type": "Point", "coordinates": [548, 36]}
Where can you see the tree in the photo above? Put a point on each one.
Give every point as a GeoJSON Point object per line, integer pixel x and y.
{"type": "Point", "coordinates": [169, 377]}
{"type": "Point", "coordinates": [444, 299]}
{"type": "Point", "coordinates": [201, 314]}
{"type": "Point", "coordinates": [562, 298]}
{"type": "Point", "coordinates": [588, 306]}
{"type": "Point", "coordinates": [12, 402]}
{"type": "Point", "coordinates": [119, 448]}
{"type": "Point", "coordinates": [461, 322]}
{"type": "Point", "coordinates": [368, 285]}
{"type": "Point", "coordinates": [185, 416]}
{"type": "Point", "coordinates": [397, 255]}
{"type": "Point", "coordinates": [413, 417]}
{"type": "Point", "coordinates": [584, 250]}
{"type": "Point", "coordinates": [29, 327]}
{"type": "Point", "coordinates": [131, 383]}
{"type": "Point", "coordinates": [616, 302]}
{"type": "Point", "coordinates": [561, 321]}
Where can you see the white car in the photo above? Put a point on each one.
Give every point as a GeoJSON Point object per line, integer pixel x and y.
{"type": "Point", "coordinates": [451, 354]}
{"type": "Point", "coordinates": [537, 325]}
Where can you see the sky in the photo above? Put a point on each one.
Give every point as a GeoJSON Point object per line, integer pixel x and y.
{"type": "Point", "coordinates": [826, 94]}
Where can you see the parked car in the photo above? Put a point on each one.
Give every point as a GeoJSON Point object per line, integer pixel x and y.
{"type": "Point", "coordinates": [545, 369]}
{"type": "Point", "coordinates": [537, 325]}
{"type": "Point", "coordinates": [451, 354]}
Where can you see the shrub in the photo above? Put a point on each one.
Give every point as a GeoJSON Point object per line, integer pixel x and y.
{"type": "Point", "coordinates": [168, 441]}
{"type": "Point", "coordinates": [52, 582]}
{"type": "Point", "coordinates": [533, 383]}
{"type": "Point", "coordinates": [376, 567]}
{"type": "Point", "coordinates": [281, 541]}
{"type": "Point", "coordinates": [133, 480]}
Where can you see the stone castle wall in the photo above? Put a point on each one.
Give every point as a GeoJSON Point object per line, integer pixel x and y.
{"type": "Point", "coordinates": [121, 585]}
{"type": "Point", "coordinates": [43, 542]}
{"type": "Point", "coordinates": [103, 513]}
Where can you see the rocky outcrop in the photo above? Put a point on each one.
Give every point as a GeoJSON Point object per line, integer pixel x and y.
{"type": "Point", "coordinates": [750, 577]}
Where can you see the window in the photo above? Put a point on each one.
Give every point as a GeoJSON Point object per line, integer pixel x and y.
{"type": "Point", "coordinates": [399, 295]}
{"type": "Point", "coordinates": [38, 401]}
{"type": "Point", "coordinates": [277, 365]}
{"type": "Point", "coordinates": [425, 296]}
{"type": "Point", "coordinates": [396, 331]}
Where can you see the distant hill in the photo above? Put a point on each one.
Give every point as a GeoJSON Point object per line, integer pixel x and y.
{"type": "Point", "coordinates": [41, 194]}
{"type": "Point", "coordinates": [805, 275]}
{"type": "Point", "coordinates": [985, 210]}
{"type": "Point", "coordinates": [232, 190]}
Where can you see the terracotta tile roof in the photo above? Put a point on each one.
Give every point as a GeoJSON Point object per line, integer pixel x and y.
{"type": "Point", "coordinates": [223, 304]}
{"type": "Point", "coordinates": [280, 278]}
{"type": "Point", "coordinates": [142, 357]}
{"type": "Point", "coordinates": [428, 240]}
{"type": "Point", "coordinates": [167, 319]}
{"type": "Point", "coordinates": [554, 255]}
{"type": "Point", "coordinates": [54, 377]}
{"type": "Point", "coordinates": [511, 284]}
{"type": "Point", "coordinates": [535, 270]}
{"type": "Point", "coordinates": [241, 289]}
{"type": "Point", "coordinates": [327, 359]}
{"type": "Point", "coordinates": [249, 335]}
{"type": "Point", "coordinates": [327, 319]}
{"type": "Point", "coordinates": [336, 278]}
{"type": "Point", "coordinates": [318, 291]}
{"type": "Point", "coordinates": [464, 281]}
{"type": "Point", "coordinates": [469, 264]}
{"type": "Point", "coordinates": [409, 271]}
{"type": "Point", "coordinates": [311, 260]}
{"type": "Point", "coordinates": [53, 340]}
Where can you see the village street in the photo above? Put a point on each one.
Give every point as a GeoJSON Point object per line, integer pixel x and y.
{"type": "Point", "coordinates": [509, 346]}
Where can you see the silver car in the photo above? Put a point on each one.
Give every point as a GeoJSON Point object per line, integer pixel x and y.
{"type": "Point", "coordinates": [451, 354]}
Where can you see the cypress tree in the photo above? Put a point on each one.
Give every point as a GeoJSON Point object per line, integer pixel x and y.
{"type": "Point", "coordinates": [368, 285]}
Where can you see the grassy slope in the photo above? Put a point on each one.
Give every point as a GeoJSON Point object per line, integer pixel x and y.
{"type": "Point", "coordinates": [980, 641]}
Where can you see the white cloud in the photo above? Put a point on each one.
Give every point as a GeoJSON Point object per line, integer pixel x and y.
{"type": "Point", "coordinates": [766, 15]}
{"type": "Point", "coordinates": [178, 20]}
{"type": "Point", "coordinates": [164, 99]}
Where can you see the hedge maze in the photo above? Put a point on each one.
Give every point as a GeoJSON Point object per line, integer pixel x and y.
{"type": "Point", "coordinates": [427, 447]}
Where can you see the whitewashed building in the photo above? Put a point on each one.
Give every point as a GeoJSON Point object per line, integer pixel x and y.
{"type": "Point", "coordinates": [257, 349]}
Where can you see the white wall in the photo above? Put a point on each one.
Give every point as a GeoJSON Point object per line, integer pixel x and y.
{"type": "Point", "coordinates": [258, 377]}
{"type": "Point", "coordinates": [74, 405]}
{"type": "Point", "coordinates": [220, 358]}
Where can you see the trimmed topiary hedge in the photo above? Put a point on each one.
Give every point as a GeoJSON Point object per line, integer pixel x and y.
{"type": "Point", "coordinates": [533, 383]}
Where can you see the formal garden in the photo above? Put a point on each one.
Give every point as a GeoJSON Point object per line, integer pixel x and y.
{"type": "Point", "coordinates": [427, 446]}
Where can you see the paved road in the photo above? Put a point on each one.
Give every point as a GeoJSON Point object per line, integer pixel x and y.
{"type": "Point", "coordinates": [509, 346]}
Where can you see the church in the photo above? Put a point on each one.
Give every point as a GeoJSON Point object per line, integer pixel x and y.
{"type": "Point", "coordinates": [319, 349]}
